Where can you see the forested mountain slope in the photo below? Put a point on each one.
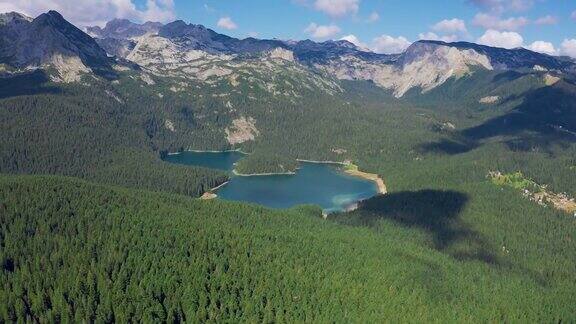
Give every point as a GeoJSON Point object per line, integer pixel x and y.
{"type": "Point", "coordinates": [182, 86]}
{"type": "Point", "coordinates": [85, 132]}
{"type": "Point", "coordinates": [446, 243]}
{"type": "Point", "coordinates": [83, 252]}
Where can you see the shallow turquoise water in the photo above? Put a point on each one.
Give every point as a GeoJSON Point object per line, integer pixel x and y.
{"type": "Point", "coordinates": [324, 185]}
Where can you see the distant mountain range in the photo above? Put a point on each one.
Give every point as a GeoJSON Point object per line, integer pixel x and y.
{"type": "Point", "coordinates": [190, 51]}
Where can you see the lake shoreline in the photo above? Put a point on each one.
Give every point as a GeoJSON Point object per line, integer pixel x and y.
{"type": "Point", "coordinates": [210, 193]}
{"type": "Point", "coordinates": [236, 173]}
{"type": "Point", "coordinates": [352, 169]}
{"type": "Point", "coordinates": [382, 190]}
{"type": "Point", "coordinates": [208, 151]}
{"type": "Point", "coordinates": [321, 162]}
{"type": "Point", "coordinates": [349, 168]}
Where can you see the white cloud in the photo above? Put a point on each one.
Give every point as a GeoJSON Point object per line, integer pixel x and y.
{"type": "Point", "coordinates": [434, 36]}
{"type": "Point", "coordinates": [208, 8]}
{"type": "Point", "coordinates": [90, 12]}
{"type": "Point", "coordinates": [501, 39]}
{"type": "Point", "coordinates": [354, 40]}
{"type": "Point", "coordinates": [385, 44]}
{"type": "Point", "coordinates": [389, 45]}
{"type": "Point", "coordinates": [226, 23]}
{"type": "Point", "coordinates": [546, 20]}
{"type": "Point", "coordinates": [322, 31]}
{"type": "Point", "coordinates": [568, 47]}
{"type": "Point", "coordinates": [156, 11]}
{"type": "Point", "coordinates": [500, 6]}
{"type": "Point", "coordinates": [447, 30]}
{"type": "Point", "coordinates": [520, 5]}
{"type": "Point", "coordinates": [253, 34]}
{"type": "Point", "coordinates": [496, 23]}
{"type": "Point", "coordinates": [337, 8]}
{"type": "Point", "coordinates": [450, 26]}
{"type": "Point", "coordinates": [542, 47]}
{"type": "Point", "coordinates": [573, 15]}
{"type": "Point", "coordinates": [374, 17]}
{"type": "Point", "coordinates": [513, 40]}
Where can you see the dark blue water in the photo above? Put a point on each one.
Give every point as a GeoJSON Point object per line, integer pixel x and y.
{"type": "Point", "coordinates": [213, 160]}
{"type": "Point", "coordinates": [324, 185]}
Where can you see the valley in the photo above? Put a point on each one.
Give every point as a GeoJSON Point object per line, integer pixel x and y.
{"type": "Point", "coordinates": [100, 214]}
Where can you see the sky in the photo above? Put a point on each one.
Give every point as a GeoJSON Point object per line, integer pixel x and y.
{"type": "Point", "coordinates": [383, 26]}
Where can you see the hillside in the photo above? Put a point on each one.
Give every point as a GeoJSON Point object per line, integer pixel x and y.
{"type": "Point", "coordinates": [68, 256]}
{"type": "Point", "coordinates": [182, 86]}
{"type": "Point", "coordinates": [97, 227]}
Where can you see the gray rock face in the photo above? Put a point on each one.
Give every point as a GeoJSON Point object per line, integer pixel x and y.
{"type": "Point", "coordinates": [424, 65]}
{"type": "Point", "coordinates": [196, 52]}
{"type": "Point", "coordinates": [310, 52]}
{"type": "Point", "coordinates": [12, 26]}
{"type": "Point", "coordinates": [123, 29]}
{"type": "Point", "coordinates": [274, 71]}
{"type": "Point", "coordinates": [198, 37]}
{"type": "Point", "coordinates": [13, 18]}
{"type": "Point", "coordinates": [428, 64]}
{"type": "Point", "coordinates": [50, 39]}
{"type": "Point", "coordinates": [504, 59]}
{"type": "Point", "coordinates": [116, 47]}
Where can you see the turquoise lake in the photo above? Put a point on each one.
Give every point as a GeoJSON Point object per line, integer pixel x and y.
{"type": "Point", "coordinates": [320, 184]}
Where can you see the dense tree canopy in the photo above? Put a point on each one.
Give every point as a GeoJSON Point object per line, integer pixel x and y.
{"type": "Point", "coordinates": [76, 251]}
{"type": "Point", "coordinates": [127, 242]}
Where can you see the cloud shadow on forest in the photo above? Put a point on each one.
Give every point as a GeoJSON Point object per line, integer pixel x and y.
{"type": "Point", "coordinates": [438, 213]}
{"type": "Point", "coordinates": [435, 211]}
{"type": "Point", "coordinates": [545, 118]}
{"type": "Point", "coordinates": [26, 84]}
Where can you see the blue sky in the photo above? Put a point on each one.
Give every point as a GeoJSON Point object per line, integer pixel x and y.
{"type": "Point", "coordinates": [408, 18]}
{"type": "Point", "coordinates": [379, 25]}
{"type": "Point", "coordinates": [546, 21]}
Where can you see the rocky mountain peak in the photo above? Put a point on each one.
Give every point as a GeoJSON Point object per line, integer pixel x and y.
{"type": "Point", "coordinates": [500, 58]}
{"type": "Point", "coordinates": [117, 23]}
{"type": "Point", "coordinates": [347, 44]}
{"type": "Point", "coordinates": [123, 29]}
{"type": "Point", "coordinates": [442, 55]}
{"type": "Point", "coordinates": [417, 50]}
{"type": "Point", "coordinates": [52, 18]}
{"type": "Point", "coordinates": [281, 54]}
{"type": "Point", "coordinates": [310, 52]}
{"type": "Point", "coordinates": [198, 37]}
{"type": "Point", "coordinates": [13, 18]}
{"type": "Point", "coordinates": [50, 39]}
{"type": "Point", "coordinates": [179, 28]}
{"type": "Point", "coordinates": [425, 64]}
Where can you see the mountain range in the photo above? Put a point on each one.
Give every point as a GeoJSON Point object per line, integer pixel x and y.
{"type": "Point", "coordinates": [475, 145]}
{"type": "Point", "coordinates": [194, 52]}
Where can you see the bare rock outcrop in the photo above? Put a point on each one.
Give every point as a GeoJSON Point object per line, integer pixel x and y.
{"type": "Point", "coordinates": [242, 130]}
